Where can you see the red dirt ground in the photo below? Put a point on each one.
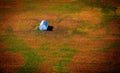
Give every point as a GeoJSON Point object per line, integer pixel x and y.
{"type": "Point", "coordinates": [46, 67]}
{"type": "Point", "coordinates": [96, 62]}
{"type": "Point", "coordinates": [84, 61]}
{"type": "Point", "coordinates": [10, 62]}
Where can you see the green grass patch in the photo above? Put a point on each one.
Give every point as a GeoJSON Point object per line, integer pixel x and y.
{"type": "Point", "coordinates": [106, 20]}
{"type": "Point", "coordinates": [11, 0]}
{"type": "Point", "coordinates": [104, 50]}
{"type": "Point", "coordinates": [106, 8]}
{"type": "Point", "coordinates": [68, 56]}
{"type": "Point", "coordinates": [79, 31]}
{"type": "Point", "coordinates": [28, 1]}
{"type": "Point", "coordinates": [59, 20]}
{"type": "Point", "coordinates": [68, 53]}
{"type": "Point", "coordinates": [1, 71]}
{"type": "Point", "coordinates": [67, 49]}
{"type": "Point", "coordinates": [70, 7]}
{"type": "Point", "coordinates": [62, 64]}
{"type": "Point", "coordinates": [111, 10]}
{"type": "Point", "coordinates": [33, 1]}
{"type": "Point", "coordinates": [29, 7]}
{"type": "Point", "coordinates": [83, 29]}
{"type": "Point", "coordinates": [32, 63]}
{"type": "Point", "coordinates": [54, 53]}
{"type": "Point", "coordinates": [45, 46]}
{"type": "Point", "coordinates": [16, 44]}
{"type": "Point", "coordinates": [37, 27]}
{"type": "Point", "coordinates": [112, 46]}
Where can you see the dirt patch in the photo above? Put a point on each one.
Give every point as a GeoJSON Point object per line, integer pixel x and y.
{"type": "Point", "coordinates": [88, 44]}
{"type": "Point", "coordinates": [96, 61]}
{"type": "Point", "coordinates": [46, 67]}
{"type": "Point", "coordinates": [32, 41]}
{"type": "Point", "coordinates": [6, 5]}
{"type": "Point", "coordinates": [4, 26]}
{"type": "Point", "coordinates": [68, 23]}
{"type": "Point", "coordinates": [23, 27]}
{"type": "Point", "coordinates": [111, 2]}
{"type": "Point", "coordinates": [89, 57]}
{"type": "Point", "coordinates": [114, 27]}
{"type": "Point", "coordinates": [11, 62]}
{"type": "Point", "coordinates": [92, 61]}
{"type": "Point", "coordinates": [88, 14]}
{"type": "Point", "coordinates": [99, 32]}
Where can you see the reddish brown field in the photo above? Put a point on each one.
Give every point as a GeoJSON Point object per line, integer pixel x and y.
{"type": "Point", "coordinates": [85, 36]}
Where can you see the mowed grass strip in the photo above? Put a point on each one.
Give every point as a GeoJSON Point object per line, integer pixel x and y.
{"type": "Point", "coordinates": [66, 55]}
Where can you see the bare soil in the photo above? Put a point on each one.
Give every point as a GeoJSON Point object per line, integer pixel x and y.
{"type": "Point", "coordinates": [11, 62]}
{"type": "Point", "coordinates": [96, 62]}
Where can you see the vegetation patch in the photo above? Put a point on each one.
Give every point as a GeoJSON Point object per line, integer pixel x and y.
{"type": "Point", "coordinates": [67, 8]}
{"type": "Point", "coordinates": [62, 64]}
{"type": "Point", "coordinates": [80, 31]}
{"type": "Point", "coordinates": [32, 64]}
{"type": "Point", "coordinates": [113, 45]}
{"type": "Point", "coordinates": [83, 29]}
{"type": "Point", "coordinates": [33, 1]}
{"type": "Point", "coordinates": [30, 7]}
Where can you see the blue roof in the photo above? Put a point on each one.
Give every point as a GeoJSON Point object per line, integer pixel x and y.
{"type": "Point", "coordinates": [43, 25]}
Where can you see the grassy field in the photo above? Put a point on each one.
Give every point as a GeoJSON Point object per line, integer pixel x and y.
{"type": "Point", "coordinates": [85, 36]}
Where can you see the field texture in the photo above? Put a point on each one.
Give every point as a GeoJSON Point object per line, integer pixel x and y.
{"type": "Point", "coordinates": [85, 36]}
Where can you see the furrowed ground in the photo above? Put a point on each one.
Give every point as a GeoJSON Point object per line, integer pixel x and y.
{"type": "Point", "coordinates": [85, 36]}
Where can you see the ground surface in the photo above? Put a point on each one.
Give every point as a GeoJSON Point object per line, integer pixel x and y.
{"type": "Point", "coordinates": [85, 36]}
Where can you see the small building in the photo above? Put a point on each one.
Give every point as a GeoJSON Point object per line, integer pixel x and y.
{"type": "Point", "coordinates": [43, 25]}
